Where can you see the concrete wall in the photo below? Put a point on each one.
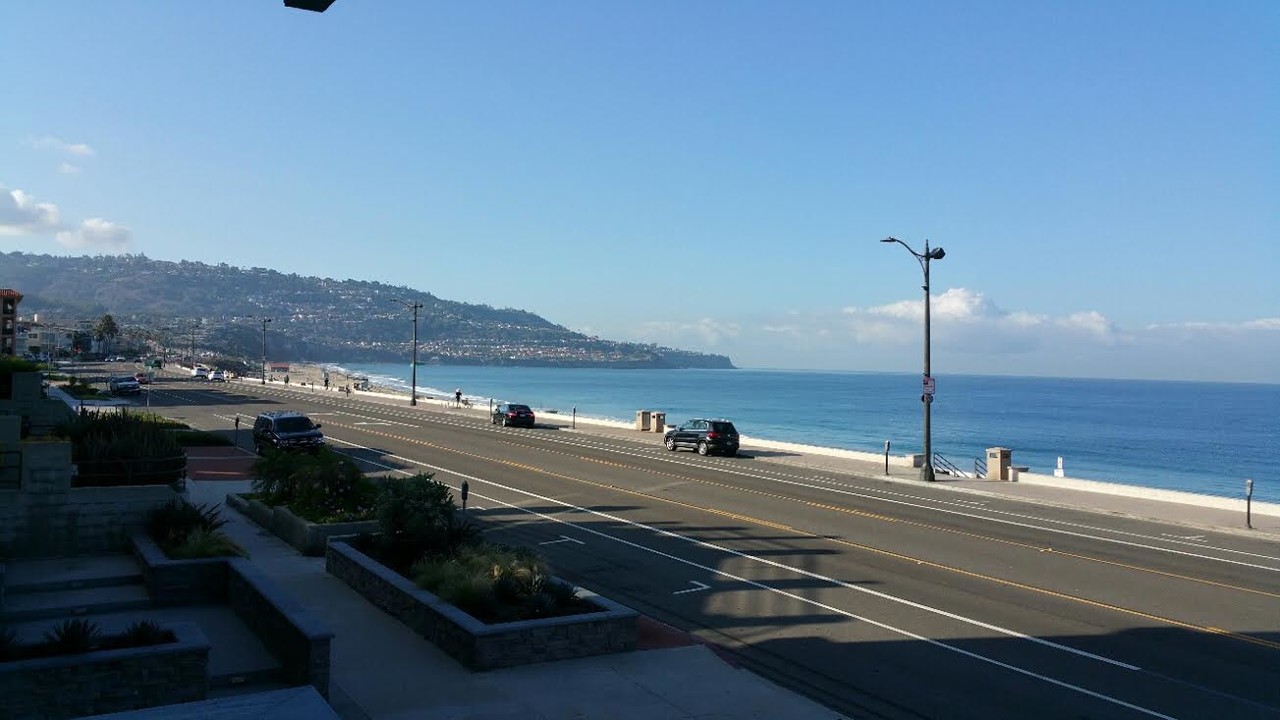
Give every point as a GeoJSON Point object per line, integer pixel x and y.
{"type": "Point", "coordinates": [46, 517]}
{"type": "Point", "coordinates": [297, 639]}
{"type": "Point", "coordinates": [1134, 491]}
{"type": "Point", "coordinates": [107, 681]}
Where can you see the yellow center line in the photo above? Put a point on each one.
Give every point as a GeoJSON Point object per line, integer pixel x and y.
{"type": "Point", "coordinates": [866, 548]}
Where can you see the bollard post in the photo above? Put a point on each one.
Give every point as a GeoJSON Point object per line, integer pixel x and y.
{"type": "Point", "coordinates": [1248, 503]}
{"type": "Point", "coordinates": [574, 426]}
{"type": "Point", "coordinates": [886, 457]}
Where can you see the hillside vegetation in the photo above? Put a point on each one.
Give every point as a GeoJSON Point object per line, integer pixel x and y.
{"type": "Point", "coordinates": [312, 318]}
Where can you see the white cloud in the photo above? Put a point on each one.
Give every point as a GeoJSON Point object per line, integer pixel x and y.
{"type": "Point", "coordinates": [972, 334]}
{"type": "Point", "coordinates": [58, 145]}
{"type": "Point", "coordinates": [20, 214]}
{"type": "Point", "coordinates": [98, 234]}
{"type": "Point", "coordinates": [67, 168]}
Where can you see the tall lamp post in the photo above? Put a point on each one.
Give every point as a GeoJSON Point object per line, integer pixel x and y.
{"type": "Point", "coordinates": [413, 368]}
{"type": "Point", "coordinates": [926, 472]}
{"type": "Point", "coordinates": [264, 320]}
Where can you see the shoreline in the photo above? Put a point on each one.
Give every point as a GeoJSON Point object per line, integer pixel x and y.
{"type": "Point", "coordinates": [310, 372]}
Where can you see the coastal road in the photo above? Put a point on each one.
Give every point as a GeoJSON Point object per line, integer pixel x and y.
{"type": "Point", "coordinates": [879, 599]}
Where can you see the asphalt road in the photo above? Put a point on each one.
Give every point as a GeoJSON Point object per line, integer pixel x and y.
{"type": "Point", "coordinates": [880, 600]}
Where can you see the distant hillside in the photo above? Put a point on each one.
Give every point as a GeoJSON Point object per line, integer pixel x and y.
{"type": "Point", "coordinates": [313, 318]}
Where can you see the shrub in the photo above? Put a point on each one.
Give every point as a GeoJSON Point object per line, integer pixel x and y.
{"type": "Point", "coordinates": [123, 449]}
{"type": "Point", "coordinates": [170, 524]}
{"type": "Point", "coordinates": [204, 544]}
{"type": "Point", "coordinates": [73, 636]}
{"type": "Point", "coordinates": [496, 583]}
{"type": "Point", "coordinates": [322, 487]}
{"type": "Point", "coordinates": [144, 633]}
{"type": "Point", "coordinates": [414, 508]}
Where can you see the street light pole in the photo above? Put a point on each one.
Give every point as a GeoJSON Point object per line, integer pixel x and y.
{"type": "Point", "coordinates": [926, 472]}
{"type": "Point", "coordinates": [264, 349]}
{"type": "Point", "coordinates": [413, 369]}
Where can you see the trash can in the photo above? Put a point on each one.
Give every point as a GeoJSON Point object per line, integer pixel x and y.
{"type": "Point", "coordinates": [642, 420]}
{"type": "Point", "coordinates": [998, 460]}
{"type": "Point", "coordinates": [659, 421]}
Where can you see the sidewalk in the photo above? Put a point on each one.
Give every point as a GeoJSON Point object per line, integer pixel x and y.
{"type": "Point", "coordinates": [381, 670]}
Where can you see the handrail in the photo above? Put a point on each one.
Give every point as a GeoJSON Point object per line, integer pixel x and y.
{"type": "Point", "coordinates": [979, 468]}
{"type": "Point", "coordinates": [947, 466]}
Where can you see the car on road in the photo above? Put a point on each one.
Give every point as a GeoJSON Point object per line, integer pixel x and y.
{"type": "Point", "coordinates": [142, 378]}
{"type": "Point", "coordinates": [512, 414]}
{"type": "Point", "coordinates": [218, 376]}
{"type": "Point", "coordinates": [704, 435]}
{"type": "Point", "coordinates": [125, 385]}
{"type": "Point", "coordinates": [286, 430]}
{"type": "Point", "coordinates": [200, 372]}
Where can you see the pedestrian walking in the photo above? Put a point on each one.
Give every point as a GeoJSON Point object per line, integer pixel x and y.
{"type": "Point", "coordinates": [457, 397]}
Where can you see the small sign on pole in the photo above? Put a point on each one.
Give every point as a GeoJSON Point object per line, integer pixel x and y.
{"type": "Point", "coordinates": [929, 385]}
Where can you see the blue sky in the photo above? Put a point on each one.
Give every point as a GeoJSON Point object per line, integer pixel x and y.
{"type": "Point", "coordinates": [1105, 177]}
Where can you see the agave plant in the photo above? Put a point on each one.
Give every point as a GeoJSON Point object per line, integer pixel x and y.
{"type": "Point", "coordinates": [73, 636]}
{"type": "Point", "coordinates": [204, 544]}
{"type": "Point", "coordinates": [170, 524]}
{"type": "Point", "coordinates": [144, 633]}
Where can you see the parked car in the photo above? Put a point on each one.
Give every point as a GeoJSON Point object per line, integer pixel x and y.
{"type": "Point", "coordinates": [704, 435]}
{"type": "Point", "coordinates": [511, 414]}
{"type": "Point", "coordinates": [286, 430]}
{"type": "Point", "coordinates": [125, 385]}
{"type": "Point", "coordinates": [142, 378]}
{"type": "Point", "coordinates": [200, 372]}
{"type": "Point", "coordinates": [218, 376]}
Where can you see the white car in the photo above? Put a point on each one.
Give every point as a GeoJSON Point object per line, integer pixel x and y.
{"type": "Point", "coordinates": [200, 373]}
{"type": "Point", "coordinates": [218, 376]}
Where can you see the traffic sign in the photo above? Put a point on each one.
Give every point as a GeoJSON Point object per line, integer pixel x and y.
{"type": "Point", "coordinates": [928, 385]}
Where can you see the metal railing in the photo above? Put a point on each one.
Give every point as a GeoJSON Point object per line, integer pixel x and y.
{"type": "Point", "coordinates": [130, 471]}
{"type": "Point", "coordinates": [946, 466]}
{"type": "Point", "coordinates": [979, 468]}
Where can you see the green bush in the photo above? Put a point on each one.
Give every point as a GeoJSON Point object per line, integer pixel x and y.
{"type": "Point", "coordinates": [321, 487]}
{"type": "Point", "coordinates": [496, 583]}
{"type": "Point", "coordinates": [123, 449]}
{"type": "Point", "coordinates": [187, 531]}
{"type": "Point", "coordinates": [204, 544]}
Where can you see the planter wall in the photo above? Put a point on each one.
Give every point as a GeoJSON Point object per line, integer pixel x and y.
{"type": "Point", "coordinates": [473, 643]}
{"type": "Point", "coordinates": [293, 635]}
{"type": "Point", "coordinates": [108, 680]}
{"type": "Point", "coordinates": [306, 537]}
{"type": "Point", "coordinates": [179, 582]}
{"type": "Point", "coordinates": [297, 639]}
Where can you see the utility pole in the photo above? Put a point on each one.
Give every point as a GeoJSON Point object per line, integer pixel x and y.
{"type": "Point", "coordinates": [413, 368]}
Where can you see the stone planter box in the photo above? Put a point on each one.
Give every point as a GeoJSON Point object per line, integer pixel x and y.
{"type": "Point", "coordinates": [306, 537]}
{"type": "Point", "coordinates": [477, 645]}
{"type": "Point", "coordinates": [179, 582]}
{"type": "Point", "coordinates": [108, 681]}
{"type": "Point", "coordinates": [293, 635]}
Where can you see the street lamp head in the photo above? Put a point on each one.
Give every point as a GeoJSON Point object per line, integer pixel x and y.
{"type": "Point", "coordinates": [891, 239]}
{"type": "Point", "coordinates": [937, 254]}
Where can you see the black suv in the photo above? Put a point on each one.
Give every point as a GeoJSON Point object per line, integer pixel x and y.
{"type": "Point", "coordinates": [286, 431]}
{"type": "Point", "coordinates": [705, 436]}
{"type": "Point", "coordinates": [513, 414]}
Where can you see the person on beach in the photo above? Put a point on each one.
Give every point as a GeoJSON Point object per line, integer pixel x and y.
{"type": "Point", "coordinates": [286, 379]}
{"type": "Point", "coordinates": [457, 397]}
{"type": "Point", "coordinates": [326, 381]}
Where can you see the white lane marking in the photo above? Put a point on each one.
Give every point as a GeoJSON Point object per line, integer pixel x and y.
{"type": "Point", "coordinates": [378, 420]}
{"type": "Point", "coordinates": [376, 423]}
{"type": "Point", "coordinates": [770, 563]}
{"type": "Point", "coordinates": [563, 538]}
{"type": "Point", "coordinates": [838, 611]}
{"type": "Point", "coordinates": [933, 504]}
{"type": "Point", "coordinates": [1183, 537]}
{"type": "Point", "coordinates": [700, 587]}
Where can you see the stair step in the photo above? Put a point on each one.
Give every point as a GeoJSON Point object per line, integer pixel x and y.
{"type": "Point", "coordinates": [74, 603]}
{"type": "Point", "coordinates": [35, 576]}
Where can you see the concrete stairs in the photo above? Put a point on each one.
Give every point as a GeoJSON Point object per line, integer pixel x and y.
{"type": "Point", "coordinates": [39, 594]}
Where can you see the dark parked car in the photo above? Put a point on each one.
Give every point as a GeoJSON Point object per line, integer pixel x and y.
{"type": "Point", "coordinates": [705, 436]}
{"type": "Point", "coordinates": [286, 431]}
{"type": "Point", "coordinates": [123, 386]}
{"type": "Point", "coordinates": [511, 414]}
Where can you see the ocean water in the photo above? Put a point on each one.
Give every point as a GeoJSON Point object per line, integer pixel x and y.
{"type": "Point", "coordinates": [1194, 436]}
